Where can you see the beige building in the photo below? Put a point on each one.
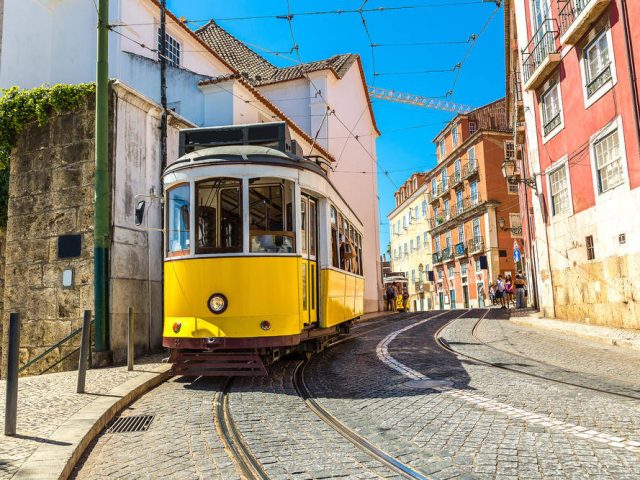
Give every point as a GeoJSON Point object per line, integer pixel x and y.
{"type": "Point", "coordinates": [410, 243]}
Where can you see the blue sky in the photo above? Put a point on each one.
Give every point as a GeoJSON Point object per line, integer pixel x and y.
{"type": "Point", "coordinates": [401, 148]}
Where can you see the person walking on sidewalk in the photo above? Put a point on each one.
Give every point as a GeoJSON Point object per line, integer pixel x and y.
{"type": "Point", "coordinates": [500, 294]}
{"type": "Point", "coordinates": [521, 285]}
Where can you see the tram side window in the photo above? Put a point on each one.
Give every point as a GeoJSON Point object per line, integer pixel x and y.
{"type": "Point", "coordinates": [335, 260]}
{"type": "Point", "coordinates": [219, 216]}
{"type": "Point", "coordinates": [178, 221]}
{"type": "Point", "coordinates": [270, 222]}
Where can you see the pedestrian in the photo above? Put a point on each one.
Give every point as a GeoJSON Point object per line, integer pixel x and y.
{"type": "Point", "coordinates": [492, 294]}
{"type": "Point", "coordinates": [508, 291]}
{"type": "Point", "coordinates": [500, 291]}
{"type": "Point", "coordinates": [405, 300]}
{"type": "Point", "coordinates": [521, 288]}
{"type": "Point", "coordinates": [390, 297]}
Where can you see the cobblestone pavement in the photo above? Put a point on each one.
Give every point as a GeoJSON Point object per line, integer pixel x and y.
{"type": "Point", "coordinates": [181, 441]}
{"type": "Point", "coordinates": [576, 360]}
{"type": "Point", "coordinates": [46, 401]}
{"type": "Point", "coordinates": [452, 418]}
{"type": "Point", "coordinates": [490, 423]}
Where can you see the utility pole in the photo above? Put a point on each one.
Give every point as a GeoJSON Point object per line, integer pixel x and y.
{"type": "Point", "coordinates": [103, 187]}
{"type": "Point", "coordinates": [162, 57]}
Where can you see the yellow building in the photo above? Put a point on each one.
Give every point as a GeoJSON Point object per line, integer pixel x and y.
{"type": "Point", "coordinates": [410, 243]}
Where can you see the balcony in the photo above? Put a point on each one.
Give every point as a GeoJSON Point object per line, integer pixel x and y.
{"type": "Point", "coordinates": [469, 169]}
{"type": "Point", "coordinates": [447, 254]}
{"type": "Point", "coordinates": [418, 286]}
{"type": "Point", "coordinates": [443, 188]}
{"type": "Point", "coordinates": [466, 205]}
{"type": "Point", "coordinates": [475, 245]}
{"type": "Point", "coordinates": [436, 257]}
{"type": "Point", "coordinates": [460, 250]}
{"type": "Point", "coordinates": [455, 179]}
{"type": "Point", "coordinates": [577, 16]}
{"type": "Point", "coordinates": [541, 56]}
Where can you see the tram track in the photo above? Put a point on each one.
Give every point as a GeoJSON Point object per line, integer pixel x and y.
{"type": "Point", "coordinates": [357, 440]}
{"type": "Point", "coordinates": [442, 343]}
{"type": "Point", "coordinates": [239, 451]}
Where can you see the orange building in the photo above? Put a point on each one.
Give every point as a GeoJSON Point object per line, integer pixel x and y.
{"type": "Point", "coordinates": [474, 215]}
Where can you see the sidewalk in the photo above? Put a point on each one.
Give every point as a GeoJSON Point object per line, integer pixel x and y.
{"type": "Point", "coordinates": [55, 424]}
{"type": "Point", "coordinates": [610, 336]}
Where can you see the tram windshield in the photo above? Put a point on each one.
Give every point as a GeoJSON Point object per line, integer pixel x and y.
{"type": "Point", "coordinates": [271, 216]}
{"type": "Point", "coordinates": [178, 221]}
{"type": "Point", "coordinates": [219, 216]}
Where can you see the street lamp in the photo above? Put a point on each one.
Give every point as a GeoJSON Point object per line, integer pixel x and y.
{"type": "Point", "coordinates": [509, 172]}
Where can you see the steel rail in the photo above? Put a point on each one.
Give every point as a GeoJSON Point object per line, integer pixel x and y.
{"type": "Point", "coordinates": [376, 453]}
{"type": "Point", "coordinates": [442, 343]}
{"type": "Point", "coordinates": [232, 438]}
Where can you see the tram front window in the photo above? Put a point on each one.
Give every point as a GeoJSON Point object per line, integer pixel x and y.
{"type": "Point", "coordinates": [270, 229]}
{"type": "Point", "coordinates": [178, 221]}
{"type": "Point", "coordinates": [219, 216]}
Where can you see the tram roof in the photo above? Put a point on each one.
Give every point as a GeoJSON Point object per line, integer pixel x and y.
{"type": "Point", "coordinates": [244, 154]}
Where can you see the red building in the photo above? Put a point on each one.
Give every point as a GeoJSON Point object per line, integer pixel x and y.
{"type": "Point", "coordinates": [576, 61]}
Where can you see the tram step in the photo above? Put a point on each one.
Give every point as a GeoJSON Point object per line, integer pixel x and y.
{"type": "Point", "coordinates": [218, 364]}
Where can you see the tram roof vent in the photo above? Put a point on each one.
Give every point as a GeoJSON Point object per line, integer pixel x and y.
{"type": "Point", "coordinates": [274, 135]}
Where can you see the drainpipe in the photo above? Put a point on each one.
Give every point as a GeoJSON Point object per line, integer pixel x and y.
{"type": "Point", "coordinates": [102, 184]}
{"type": "Point", "coordinates": [632, 69]}
{"type": "Point", "coordinates": [162, 57]}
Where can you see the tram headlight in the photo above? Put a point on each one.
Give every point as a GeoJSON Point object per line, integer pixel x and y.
{"type": "Point", "coordinates": [217, 303]}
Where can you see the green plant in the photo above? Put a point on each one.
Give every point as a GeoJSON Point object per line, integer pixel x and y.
{"type": "Point", "coordinates": [18, 108]}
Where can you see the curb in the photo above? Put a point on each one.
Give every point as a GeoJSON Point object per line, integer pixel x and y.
{"type": "Point", "coordinates": [61, 453]}
{"type": "Point", "coordinates": [606, 335]}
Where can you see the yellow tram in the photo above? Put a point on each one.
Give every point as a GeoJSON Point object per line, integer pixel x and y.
{"type": "Point", "coordinates": [262, 254]}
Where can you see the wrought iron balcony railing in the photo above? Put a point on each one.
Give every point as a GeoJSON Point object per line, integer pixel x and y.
{"type": "Point", "coordinates": [460, 249]}
{"type": "Point", "coordinates": [456, 178]}
{"type": "Point", "coordinates": [551, 124]}
{"type": "Point", "coordinates": [475, 245]}
{"type": "Point", "coordinates": [542, 44]}
{"type": "Point", "coordinates": [447, 254]}
{"type": "Point", "coordinates": [570, 10]}
{"type": "Point", "coordinates": [470, 168]}
{"type": "Point", "coordinates": [598, 81]}
{"type": "Point", "coordinates": [436, 257]}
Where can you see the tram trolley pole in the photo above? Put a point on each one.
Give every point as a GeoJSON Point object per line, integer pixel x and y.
{"type": "Point", "coordinates": [130, 343]}
{"type": "Point", "coordinates": [11, 405]}
{"type": "Point", "coordinates": [84, 351]}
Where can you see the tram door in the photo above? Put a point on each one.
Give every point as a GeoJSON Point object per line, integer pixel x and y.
{"type": "Point", "coordinates": [309, 264]}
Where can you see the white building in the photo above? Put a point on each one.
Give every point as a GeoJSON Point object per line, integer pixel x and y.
{"type": "Point", "coordinates": [410, 241]}
{"type": "Point", "coordinates": [213, 79]}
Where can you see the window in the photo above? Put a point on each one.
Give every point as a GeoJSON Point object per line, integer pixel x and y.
{"type": "Point", "coordinates": [515, 225]}
{"type": "Point", "coordinates": [460, 233]}
{"type": "Point", "coordinates": [406, 250]}
{"type": "Point", "coordinates": [454, 135]}
{"type": "Point", "coordinates": [219, 216]}
{"type": "Point", "coordinates": [559, 190]}
{"type": "Point", "coordinates": [441, 146]}
{"type": "Point", "coordinates": [410, 216]}
{"type": "Point", "coordinates": [425, 237]}
{"type": "Point", "coordinates": [271, 219]}
{"type": "Point", "coordinates": [478, 266]}
{"type": "Point", "coordinates": [443, 176]}
{"type": "Point", "coordinates": [424, 208]}
{"type": "Point", "coordinates": [452, 272]}
{"type": "Point", "coordinates": [551, 110]}
{"type": "Point", "coordinates": [413, 275]}
{"type": "Point", "coordinates": [440, 273]}
{"type": "Point", "coordinates": [438, 244]}
{"type": "Point", "coordinates": [415, 184]}
{"type": "Point", "coordinates": [512, 188]}
{"type": "Point", "coordinates": [178, 218]}
{"type": "Point", "coordinates": [434, 187]}
{"type": "Point", "coordinates": [447, 238]}
{"type": "Point", "coordinates": [475, 225]}
{"type": "Point", "coordinates": [418, 242]}
{"type": "Point", "coordinates": [597, 64]}
{"type": "Point", "coordinates": [509, 150]}
{"type": "Point", "coordinates": [436, 215]}
{"type": "Point", "coordinates": [395, 253]}
{"type": "Point", "coordinates": [411, 245]}
{"type": "Point", "coordinates": [473, 187]}
{"type": "Point", "coordinates": [457, 167]}
{"type": "Point", "coordinates": [473, 127]}
{"type": "Point", "coordinates": [608, 162]}
{"type": "Point", "coordinates": [459, 204]}
{"type": "Point", "coordinates": [591, 254]}
{"type": "Point", "coordinates": [335, 244]}
{"type": "Point", "coordinates": [447, 209]}
{"type": "Point", "coordinates": [404, 222]}
{"type": "Point", "coordinates": [172, 49]}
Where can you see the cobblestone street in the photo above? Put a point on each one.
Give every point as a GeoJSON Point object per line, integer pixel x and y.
{"type": "Point", "coordinates": [512, 402]}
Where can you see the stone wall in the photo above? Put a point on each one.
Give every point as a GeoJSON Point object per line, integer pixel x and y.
{"type": "Point", "coordinates": [50, 194]}
{"type": "Point", "coordinates": [605, 293]}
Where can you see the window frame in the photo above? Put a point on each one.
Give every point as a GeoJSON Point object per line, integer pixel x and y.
{"type": "Point", "coordinates": [190, 234]}
{"type": "Point", "coordinates": [551, 86]}
{"type": "Point", "coordinates": [594, 36]}
{"type": "Point", "coordinates": [613, 126]}
{"type": "Point", "coordinates": [455, 138]}
{"type": "Point", "coordinates": [173, 49]}
{"type": "Point", "coordinates": [562, 164]}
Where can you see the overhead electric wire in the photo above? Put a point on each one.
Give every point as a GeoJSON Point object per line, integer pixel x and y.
{"type": "Point", "coordinates": [324, 12]}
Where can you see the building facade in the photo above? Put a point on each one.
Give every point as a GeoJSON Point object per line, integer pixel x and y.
{"type": "Point", "coordinates": [579, 128]}
{"type": "Point", "coordinates": [474, 218]}
{"type": "Point", "coordinates": [410, 243]}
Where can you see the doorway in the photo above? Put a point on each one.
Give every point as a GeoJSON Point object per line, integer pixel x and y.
{"type": "Point", "coordinates": [309, 263]}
